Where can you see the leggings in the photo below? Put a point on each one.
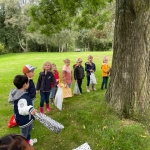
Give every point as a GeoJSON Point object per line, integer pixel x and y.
{"type": "Point", "coordinates": [88, 80]}
{"type": "Point", "coordinates": [79, 81]}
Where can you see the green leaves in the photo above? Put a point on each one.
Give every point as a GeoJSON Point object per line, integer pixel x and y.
{"type": "Point", "coordinates": [55, 15]}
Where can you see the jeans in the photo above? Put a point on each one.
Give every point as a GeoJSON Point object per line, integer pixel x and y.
{"type": "Point", "coordinates": [26, 131]}
{"type": "Point", "coordinates": [44, 98]}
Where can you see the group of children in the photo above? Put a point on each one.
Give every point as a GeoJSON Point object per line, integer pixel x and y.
{"type": "Point", "coordinates": [23, 96]}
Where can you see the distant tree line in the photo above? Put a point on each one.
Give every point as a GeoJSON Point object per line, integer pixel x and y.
{"type": "Point", "coordinates": [55, 26]}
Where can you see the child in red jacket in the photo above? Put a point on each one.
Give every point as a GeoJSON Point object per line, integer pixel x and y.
{"type": "Point", "coordinates": [53, 87]}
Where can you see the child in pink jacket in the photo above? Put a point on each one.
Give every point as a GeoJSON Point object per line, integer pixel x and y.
{"type": "Point", "coordinates": [67, 73]}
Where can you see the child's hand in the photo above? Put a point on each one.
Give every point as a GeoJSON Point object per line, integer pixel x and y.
{"type": "Point", "coordinates": [34, 112]}
{"type": "Point", "coordinates": [37, 92]}
{"type": "Point", "coordinates": [59, 85]}
{"type": "Point", "coordinates": [66, 85]}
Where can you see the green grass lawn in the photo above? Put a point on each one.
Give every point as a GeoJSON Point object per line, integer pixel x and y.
{"type": "Point", "coordinates": [86, 117]}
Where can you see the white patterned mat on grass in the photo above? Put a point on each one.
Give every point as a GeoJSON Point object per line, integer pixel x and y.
{"type": "Point", "coordinates": [84, 146]}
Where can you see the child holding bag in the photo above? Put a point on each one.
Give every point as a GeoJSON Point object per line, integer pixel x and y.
{"type": "Point", "coordinates": [54, 88]}
{"type": "Point", "coordinates": [90, 67]}
{"type": "Point", "coordinates": [67, 73]}
{"type": "Point", "coordinates": [46, 78]}
{"type": "Point", "coordinates": [79, 73]}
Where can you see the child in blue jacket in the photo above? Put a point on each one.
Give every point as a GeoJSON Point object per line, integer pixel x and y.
{"type": "Point", "coordinates": [89, 68]}
{"type": "Point", "coordinates": [23, 109]}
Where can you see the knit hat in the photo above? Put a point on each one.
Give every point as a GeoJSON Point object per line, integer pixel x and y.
{"type": "Point", "coordinates": [79, 60]}
{"type": "Point", "coordinates": [28, 68]}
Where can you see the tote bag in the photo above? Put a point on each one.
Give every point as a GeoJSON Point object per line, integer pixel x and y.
{"type": "Point", "coordinates": [59, 98]}
{"type": "Point", "coordinates": [67, 92]}
{"type": "Point", "coordinates": [76, 89]}
{"type": "Point", "coordinates": [12, 122]}
{"type": "Point", "coordinates": [93, 79]}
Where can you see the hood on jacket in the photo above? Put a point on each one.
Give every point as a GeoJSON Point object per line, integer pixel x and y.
{"type": "Point", "coordinates": [14, 95]}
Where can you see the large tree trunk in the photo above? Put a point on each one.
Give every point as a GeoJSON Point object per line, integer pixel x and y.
{"type": "Point", "coordinates": [128, 91]}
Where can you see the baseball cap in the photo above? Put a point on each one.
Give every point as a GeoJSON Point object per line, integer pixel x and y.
{"type": "Point", "coordinates": [28, 68]}
{"type": "Point", "coordinates": [79, 60]}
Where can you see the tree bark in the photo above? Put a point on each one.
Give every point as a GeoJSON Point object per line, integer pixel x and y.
{"type": "Point", "coordinates": [128, 90]}
{"type": "Point", "coordinates": [46, 45]}
{"type": "Point", "coordinates": [24, 49]}
{"type": "Point", "coordinates": [62, 49]}
{"type": "Point", "coordinates": [59, 49]}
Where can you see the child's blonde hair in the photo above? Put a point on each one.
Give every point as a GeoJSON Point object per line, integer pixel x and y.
{"type": "Point", "coordinates": [66, 60]}
{"type": "Point", "coordinates": [47, 62]}
{"type": "Point", "coordinates": [90, 57]}
{"type": "Point", "coordinates": [53, 65]}
{"type": "Point", "coordinates": [105, 59]}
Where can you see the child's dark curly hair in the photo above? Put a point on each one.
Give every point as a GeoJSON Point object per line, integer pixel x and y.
{"type": "Point", "coordinates": [12, 142]}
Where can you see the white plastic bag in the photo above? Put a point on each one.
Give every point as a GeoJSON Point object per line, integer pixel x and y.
{"type": "Point", "coordinates": [93, 79]}
{"type": "Point", "coordinates": [84, 146]}
{"type": "Point", "coordinates": [59, 98]}
{"type": "Point", "coordinates": [76, 89]}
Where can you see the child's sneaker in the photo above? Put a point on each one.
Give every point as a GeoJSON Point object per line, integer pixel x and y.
{"type": "Point", "coordinates": [88, 90]}
{"type": "Point", "coordinates": [33, 141]}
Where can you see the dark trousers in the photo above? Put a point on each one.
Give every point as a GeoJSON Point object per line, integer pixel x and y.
{"type": "Point", "coordinates": [44, 98]}
{"type": "Point", "coordinates": [79, 81]}
{"type": "Point", "coordinates": [26, 131]}
{"type": "Point", "coordinates": [104, 83]}
{"type": "Point", "coordinates": [88, 80]}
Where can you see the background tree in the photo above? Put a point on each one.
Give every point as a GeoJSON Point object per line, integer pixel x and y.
{"type": "Point", "coordinates": [128, 91]}
{"type": "Point", "coordinates": [54, 16]}
{"type": "Point", "coordinates": [50, 18]}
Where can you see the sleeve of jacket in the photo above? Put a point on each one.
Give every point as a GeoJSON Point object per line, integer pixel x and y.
{"type": "Point", "coordinates": [31, 89]}
{"type": "Point", "coordinates": [86, 67]}
{"type": "Point", "coordinates": [64, 76]}
{"type": "Point", "coordinates": [53, 80]}
{"type": "Point", "coordinates": [75, 73]}
{"type": "Point", "coordinates": [83, 72]}
{"type": "Point", "coordinates": [94, 67]}
{"type": "Point", "coordinates": [71, 76]}
{"type": "Point", "coordinates": [23, 108]}
{"type": "Point", "coordinates": [104, 69]}
{"type": "Point", "coordinates": [38, 82]}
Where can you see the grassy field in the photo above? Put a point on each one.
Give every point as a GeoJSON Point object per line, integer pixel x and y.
{"type": "Point", "coordinates": [86, 117]}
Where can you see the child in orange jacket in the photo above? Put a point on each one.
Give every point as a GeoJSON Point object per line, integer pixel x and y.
{"type": "Point", "coordinates": [105, 72]}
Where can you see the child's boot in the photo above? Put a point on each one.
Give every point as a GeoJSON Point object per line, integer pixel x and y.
{"type": "Point", "coordinates": [48, 108]}
{"type": "Point", "coordinates": [42, 110]}
{"type": "Point", "coordinates": [87, 89]}
{"type": "Point", "coordinates": [93, 88]}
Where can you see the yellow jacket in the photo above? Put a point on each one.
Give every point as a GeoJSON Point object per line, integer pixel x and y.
{"type": "Point", "coordinates": [105, 69]}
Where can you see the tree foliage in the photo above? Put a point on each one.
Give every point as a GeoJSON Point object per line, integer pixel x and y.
{"type": "Point", "coordinates": [53, 16]}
